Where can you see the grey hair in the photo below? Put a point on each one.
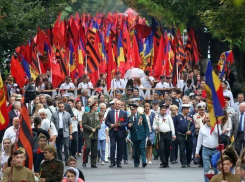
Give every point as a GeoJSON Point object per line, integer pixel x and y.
{"type": "Point", "coordinates": [102, 104]}
{"type": "Point", "coordinates": [187, 97]}
{"type": "Point", "coordinates": [16, 103]}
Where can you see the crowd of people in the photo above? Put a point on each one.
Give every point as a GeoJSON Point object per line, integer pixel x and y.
{"type": "Point", "coordinates": [172, 127]}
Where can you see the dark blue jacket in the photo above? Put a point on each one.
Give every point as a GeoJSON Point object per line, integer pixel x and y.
{"type": "Point", "coordinates": [37, 159]}
{"type": "Point", "coordinates": [152, 116]}
{"type": "Point", "coordinates": [110, 119]}
{"type": "Point", "coordinates": [183, 125]}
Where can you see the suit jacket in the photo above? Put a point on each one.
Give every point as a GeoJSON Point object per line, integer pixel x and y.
{"type": "Point", "coordinates": [110, 119]}
{"type": "Point", "coordinates": [12, 115]}
{"type": "Point", "coordinates": [66, 122]}
{"type": "Point", "coordinates": [85, 103]}
{"type": "Point", "coordinates": [235, 124]}
{"type": "Point", "coordinates": [140, 129]}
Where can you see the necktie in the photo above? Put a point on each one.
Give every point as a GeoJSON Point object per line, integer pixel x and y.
{"type": "Point", "coordinates": [17, 113]}
{"type": "Point", "coordinates": [240, 123]}
{"type": "Point", "coordinates": [169, 85]}
{"type": "Point", "coordinates": [134, 118]}
{"type": "Point", "coordinates": [116, 119]}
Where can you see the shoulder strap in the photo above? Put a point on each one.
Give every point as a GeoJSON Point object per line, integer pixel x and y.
{"type": "Point", "coordinates": [50, 110]}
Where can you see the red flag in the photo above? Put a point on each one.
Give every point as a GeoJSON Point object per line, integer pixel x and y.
{"type": "Point", "coordinates": [25, 138]}
{"type": "Point", "coordinates": [18, 72]}
{"type": "Point", "coordinates": [137, 59]}
{"type": "Point", "coordinates": [57, 77]}
{"type": "Point", "coordinates": [159, 60]}
{"type": "Point", "coordinates": [4, 119]}
{"type": "Point", "coordinates": [111, 66]}
{"type": "Point", "coordinates": [144, 30]}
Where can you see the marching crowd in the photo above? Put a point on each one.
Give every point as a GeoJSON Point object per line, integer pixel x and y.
{"type": "Point", "coordinates": [173, 127]}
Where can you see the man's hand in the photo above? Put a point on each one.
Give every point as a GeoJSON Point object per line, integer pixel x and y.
{"type": "Point", "coordinates": [158, 128]}
{"type": "Point", "coordinates": [197, 156]}
{"type": "Point", "coordinates": [107, 139]}
{"type": "Point", "coordinates": [174, 137]}
{"type": "Point", "coordinates": [130, 125]}
{"type": "Point", "coordinates": [112, 125]}
{"type": "Point", "coordinates": [224, 181]}
{"type": "Point", "coordinates": [70, 137]}
{"type": "Point", "coordinates": [81, 129]}
{"type": "Point", "coordinates": [197, 127]}
{"type": "Point", "coordinates": [117, 124]}
{"type": "Point", "coordinates": [188, 132]}
{"type": "Point", "coordinates": [37, 175]}
{"type": "Point", "coordinates": [93, 130]}
{"type": "Point", "coordinates": [223, 132]}
{"type": "Point", "coordinates": [99, 127]}
{"type": "Point", "coordinates": [42, 179]}
{"type": "Point", "coordinates": [74, 118]}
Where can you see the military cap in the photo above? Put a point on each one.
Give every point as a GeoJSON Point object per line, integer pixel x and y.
{"type": "Point", "coordinates": [186, 105]}
{"type": "Point", "coordinates": [157, 92]}
{"type": "Point", "coordinates": [133, 106]}
{"type": "Point", "coordinates": [92, 103]}
{"type": "Point", "coordinates": [155, 102]}
{"type": "Point", "coordinates": [227, 98]}
{"type": "Point", "coordinates": [50, 147]}
{"type": "Point", "coordinates": [201, 105]}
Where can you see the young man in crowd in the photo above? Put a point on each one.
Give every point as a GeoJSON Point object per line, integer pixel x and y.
{"type": "Point", "coordinates": [72, 162]}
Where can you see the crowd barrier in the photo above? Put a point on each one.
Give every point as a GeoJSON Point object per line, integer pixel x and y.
{"type": "Point", "coordinates": [147, 94]}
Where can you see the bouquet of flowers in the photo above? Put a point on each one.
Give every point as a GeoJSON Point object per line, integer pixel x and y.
{"type": "Point", "coordinates": [209, 174]}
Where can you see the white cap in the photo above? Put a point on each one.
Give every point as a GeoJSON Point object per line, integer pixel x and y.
{"type": "Point", "coordinates": [186, 105]}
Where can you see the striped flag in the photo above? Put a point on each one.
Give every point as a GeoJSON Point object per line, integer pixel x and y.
{"type": "Point", "coordinates": [25, 138]}
{"type": "Point", "coordinates": [93, 59]}
{"type": "Point", "coordinates": [4, 119]}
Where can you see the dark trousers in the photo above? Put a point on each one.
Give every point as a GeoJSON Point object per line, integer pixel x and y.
{"type": "Point", "coordinates": [74, 143]}
{"type": "Point", "coordinates": [80, 139]}
{"type": "Point", "coordinates": [194, 145]}
{"type": "Point", "coordinates": [125, 151]}
{"type": "Point", "coordinates": [139, 150]}
{"type": "Point", "coordinates": [174, 151]}
{"type": "Point", "coordinates": [164, 147]}
{"type": "Point", "coordinates": [60, 141]}
{"type": "Point", "coordinates": [239, 142]}
{"type": "Point", "coordinates": [90, 145]}
{"type": "Point", "coordinates": [119, 142]}
{"type": "Point", "coordinates": [185, 146]}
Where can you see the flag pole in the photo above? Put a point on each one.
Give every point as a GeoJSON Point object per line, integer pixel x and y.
{"type": "Point", "coordinates": [177, 73]}
{"type": "Point", "coordinates": [86, 70]}
{"type": "Point", "coordinates": [220, 150]}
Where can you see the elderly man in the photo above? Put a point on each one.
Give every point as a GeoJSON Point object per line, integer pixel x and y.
{"type": "Point", "coordinates": [84, 97]}
{"type": "Point", "coordinates": [238, 128]}
{"type": "Point", "coordinates": [12, 130]}
{"type": "Point", "coordinates": [15, 112]}
{"type": "Point", "coordinates": [102, 107]}
{"type": "Point", "coordinates": [48, 125]}
{"type": "Point", "coordinates": [63, 124]}
{"type": "Point", "coordinates": [240, 99]}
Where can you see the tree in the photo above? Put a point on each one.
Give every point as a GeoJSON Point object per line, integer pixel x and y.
{"type": "Point", "coordinates": [20, 20]}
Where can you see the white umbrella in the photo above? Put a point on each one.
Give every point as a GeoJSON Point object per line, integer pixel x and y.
{"type": "Point", "coordinates": [134, 73]}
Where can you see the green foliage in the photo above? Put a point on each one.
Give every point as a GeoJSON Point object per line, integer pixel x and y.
{"type": "Point", "coordinates": [21, 18]}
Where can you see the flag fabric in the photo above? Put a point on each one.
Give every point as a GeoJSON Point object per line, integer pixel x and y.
{"type": "Point", "coordinates": [4, 118]}
{"type": "Point", "coordinates": [61, 60]}
{"type": "Point", "coordinates": [30, 72]}
{"type": "Point", "coordinates": [159, 60]}
{"type": "Point", "coordinates": [25, 138]}
{"type": "Point", "coordinates": [56, 75]}
{"type": "Point", "coordinates": [111, 66]}
{"type": "Point", "coordinates": [72, 61]}
{"type": "Point", "coordinates": [18, 72]}
{"type": "Point", "coordinates": [93, 59]}
{"type": "Point", "coordinates": [137, 59]}
{"type": "Point", "coordinates": [225, 61]}
{"type": "Point", "coordinates": [120, 58]}
{"type": "Point", "coordinates": [215, 98]}
{"type": "Point", "coordinates": [80, 61]}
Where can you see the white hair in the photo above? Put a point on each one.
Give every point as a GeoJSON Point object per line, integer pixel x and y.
{"type": "Point", "coordinates": [102, 104]}
{"type": "Point", "coordinates": [16, 103]}
{"type": "Point", "coordinates": [43, 111]}
{"type": "Point", "coordinates": [243, 103]}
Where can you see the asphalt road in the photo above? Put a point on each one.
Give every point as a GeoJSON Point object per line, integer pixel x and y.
{"type": "Point", "coordinates": [151, 173]}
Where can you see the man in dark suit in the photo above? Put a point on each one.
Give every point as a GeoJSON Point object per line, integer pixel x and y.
{"type": "Point", "coordinates": [139, 131]}
{"type": "Point", "coordinates": [117, 120]}
{"type": "Point", "coordinates": [238, 126]}
{"type": "Point", "coordinates": [84, 97]}
{"type": "Point", "coordinates": [15, 112]}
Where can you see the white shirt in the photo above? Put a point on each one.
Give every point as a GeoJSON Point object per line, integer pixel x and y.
{"type": "Point", "coordinates": [160, 85]}
{"type": "Point", "coordinates": [242, 119]}
{"type": "Point", "coordinates": [11, 134]}
{"type": "Point", "coordinates": [181, 83]}
{"type": "Point", "coordinates": [206, 139]}
{"type": "Point", "coordinates": [165, 123]}
{"type": "Point", "coordinates": [168, 85]}
{"type": "Point", "coordinates": [117, 83]}
{"type": "Point", "coordinates": [229, 94]}
{"type": "Point", "coordinates": [146, 83]}
{"type": "Point", "coordinates": [45, 125]}
{"type": "Point", "coordinates": [75, 121]}
{"type": "Point", "coordinates": [50, 111]}
{"type": "Point", "coordinates": [85, 85]}
{"type": "Point", "coordinates": [60, 120]}
{"type": "Point", "coordinates": [4, 158]}
{"type": "Point", "coordinates": [227, 126]}
{"type": "Point", "coordinates": [67, 86]}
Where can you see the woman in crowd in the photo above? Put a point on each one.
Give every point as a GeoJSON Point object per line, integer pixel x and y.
{"type": "Point", "coordinates": [101, 84]}
{"type": "Point", "coordinates": [6, 153]}
{"type": "Point", "coordinates": [149, 117]}
{"type": "Point", "coordinates": [38, 107]}
{"type": "Point", "coordinates": [137, 83]}
{"type": "Point", "coordinates": [174, 150]}
{"type": "Point", "coordinates": [39, 83]}
{"type": "Point", "coordinates": [226, 127]}
{"type": "Point", "coordinates": [81, 110]}
{"type": "Point", "coordinates": [72, 175]}
{"type": "Point", "coordinates": [49, 86]}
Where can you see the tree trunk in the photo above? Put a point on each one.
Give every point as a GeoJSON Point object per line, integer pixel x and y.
{"type": "Point", "coordinates": [216, 48]}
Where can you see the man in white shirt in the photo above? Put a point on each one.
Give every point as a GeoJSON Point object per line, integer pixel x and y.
{"type": "Point", "coordinates": [183, 82]}
{"type": "Point", "coordinates": [48, 125]}
{"type": "Point", "coordinates": [227, 93]}
{"type": "Point", "coordinates": [117, 82]}
{"type": "Point", "coordinates": [240, 99]}
{"type": "Point", "coordinates": [12, 130]}
{"type": "Point", "coordinates": [85, 84]}
{"type": "Point", "coordinates": [161, 83]}
{"type": "Point", "coordinates": [68, 84]}
{"type": "Point", "coordinates": [147, 81]}
{"type": "Point", "coordinates": [164, 126]}
{"type": "Point", "coordinates": [75, 120]}
{"type": "Point", "coordinates": [209, 143]}
{"type": "Point", "coordinates": [168, 83]}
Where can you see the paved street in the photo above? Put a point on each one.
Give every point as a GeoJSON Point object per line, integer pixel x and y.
{"type": "Point", "coordinates": [151, 173]}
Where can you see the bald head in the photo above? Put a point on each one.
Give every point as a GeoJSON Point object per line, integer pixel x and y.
{"type": "Point", "coordinates": [15, 122]}
{"type": "Point", "coordinates": [117, 104]}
